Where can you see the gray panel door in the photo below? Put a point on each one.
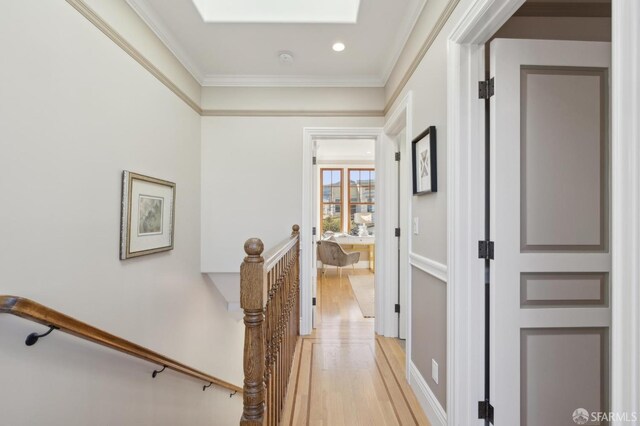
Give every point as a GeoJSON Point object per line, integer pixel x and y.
{"type": "Point", "coordinates": [550, 223]}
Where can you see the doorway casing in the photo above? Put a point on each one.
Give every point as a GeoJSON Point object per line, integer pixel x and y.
{"type": "Point", "coordinates": [310, 135]}
{"type": "Point", "coordinates": [465, 199]}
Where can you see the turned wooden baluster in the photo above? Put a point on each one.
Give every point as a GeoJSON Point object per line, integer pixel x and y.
{"type": "Point", "coordinates": [270, 300]}
{"type": "Point", "coordinates": [252, 299]}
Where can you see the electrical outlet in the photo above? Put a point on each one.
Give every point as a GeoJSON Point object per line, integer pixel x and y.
{"type": "Point", "coordinates": [416, 225]}
{"type": "Point", "coordinates": [434, 371]}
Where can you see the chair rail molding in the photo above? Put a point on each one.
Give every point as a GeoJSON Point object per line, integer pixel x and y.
{"type": "Point", "coordinates": [431, 267]}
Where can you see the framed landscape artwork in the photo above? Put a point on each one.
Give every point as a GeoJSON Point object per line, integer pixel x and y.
{"type": "Point", "coordinates": [425, 172]}
{"type": "Point", "coordinates": [148, 206]}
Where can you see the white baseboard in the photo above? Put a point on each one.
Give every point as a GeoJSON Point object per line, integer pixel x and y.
{"type": "Point", "coordinates": [432, 408]}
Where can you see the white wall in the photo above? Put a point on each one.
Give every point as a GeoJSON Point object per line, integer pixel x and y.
{"type": "Point", "coordinates": [252, 181]}
{"type": "Point", "coordinates": [293, 98]}
{"type": "Point", "coordinates": [75, 110]}
{"type": "Point", "coordinates": [428, 85]}
{"type": "Point", "coordinates": [125, 21]}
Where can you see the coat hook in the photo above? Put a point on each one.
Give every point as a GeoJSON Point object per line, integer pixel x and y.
{"type": "Point", "coordinates": [207, 386]}
{"type": "Point", "coordinates": [32, 339]}
{"type": "Point", "coordinates": [234, 392]}
{"type": "Point", "coordinates": [156, 372]}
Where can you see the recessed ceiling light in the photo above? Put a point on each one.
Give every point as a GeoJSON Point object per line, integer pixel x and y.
{"type": "Point", "coordinates": [338, 47]}
{"type": "Point", "coordinates": [368, 152]}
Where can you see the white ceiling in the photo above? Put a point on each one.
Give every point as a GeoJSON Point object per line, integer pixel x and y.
{"type": "Point", "coordinates": [341, 150]}
{"type": "Point", "coordinates": [247, 54]}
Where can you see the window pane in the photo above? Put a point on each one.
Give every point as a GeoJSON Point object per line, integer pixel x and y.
{"type": "Point", "coordinates": [331, 218]}
{"type": "Point", "coordinates": [335, 194]}
{"type": "Point", "coordinates": [336, 177]}
{"type": "Point", "coordinates": [372, 194]}
{"type": "Point", "coordinates": [353, 192]}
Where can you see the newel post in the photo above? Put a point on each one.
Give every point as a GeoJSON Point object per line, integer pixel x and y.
{"type": "Point", "coordinates": [252, 302]}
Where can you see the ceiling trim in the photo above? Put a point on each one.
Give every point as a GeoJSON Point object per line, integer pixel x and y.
{"type": "Point", "coordinates": [153, 21]}
{"type": "Point", "coordinates": [290, 81]}
{"type": "Point", "coordinates": [565, 10]}
{"type": "Point", "coordinates": [346, 159]}
{"type": "Point", "coordinates": [442, 20]}
{"type": "Point", "coordinates": [117, 38]}
{"type": "Point", "coordinates": [146, 13]}
{"type": "Point", "coordinates": [120, 41]}
{"type": "Point", "coordinates": [290, 113]}
{"type": "Point", "coordinates": [408, 24]}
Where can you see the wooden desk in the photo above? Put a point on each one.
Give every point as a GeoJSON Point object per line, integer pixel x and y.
{"type": "Point", "coordinates": [365, 243]}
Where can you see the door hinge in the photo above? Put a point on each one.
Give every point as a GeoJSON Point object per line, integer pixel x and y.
{"type": "Point", "coordinates": [397, 156]}
{"type": "Point", "coordinates": [485, 411]}
{"type": "Point", "coordinates": [313, 231]}
{"type": "Point", "coordinates": [315, 160]}
{"type": "Point", "coordinates": [397, 232]}
{"type": "Point", "coordinates": [313, 302]}
{"type": "Point", "coordinates": [486, 89]}
{"type": "Point", "coordinates": [485, 250]}
{"type": "Point", "coordinates": [397, 308]}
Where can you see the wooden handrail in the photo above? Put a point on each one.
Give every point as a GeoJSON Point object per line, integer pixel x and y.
{"type": "Point", "coordinates": [30, 310]}
{"type": "Point", "coordinates": [272, 256]}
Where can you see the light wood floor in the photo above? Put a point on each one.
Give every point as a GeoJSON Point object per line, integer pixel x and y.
{"type": "Point", "coordinates": [343, 373]}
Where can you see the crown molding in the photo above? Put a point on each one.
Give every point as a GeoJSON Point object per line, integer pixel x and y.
{"type": "Point", "coordinates": [565, 10]}
{"type": "Point", "coordinates": [121, 42]}
{"type": "Point", "coordinates": [408, 24]}
{"type": "Point", "coordinates": [213, 80]}
{"type": "Point", "coordinates": [153, 21]}
{"type": "Point", "coordinates": [290, 113]}
{"type": "Point", "coordinates": [433, 34]}
{"type": "Point", "coordinates": [345, 159]}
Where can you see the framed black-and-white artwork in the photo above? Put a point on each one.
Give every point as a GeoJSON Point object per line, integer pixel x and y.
{"type": "Point", "coordinates": [425, 162]}
{"type": "Point", "coordinates": [148, 207]}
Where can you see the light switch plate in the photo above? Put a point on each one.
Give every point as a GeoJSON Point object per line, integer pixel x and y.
{"type": "Point", "coordinates": [416, 225]}
{"type": "Point", "coordinates": [434, 371]}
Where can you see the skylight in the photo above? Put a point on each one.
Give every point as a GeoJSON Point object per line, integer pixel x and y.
{"type": "Point", "coordinates": [279, 11]}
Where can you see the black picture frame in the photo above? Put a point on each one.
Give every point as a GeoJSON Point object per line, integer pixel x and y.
{"type": "Point", "coordinates": [425, 146]}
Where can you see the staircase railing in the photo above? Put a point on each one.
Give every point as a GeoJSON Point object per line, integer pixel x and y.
{"type": "Point", "coordinates": [269, 296]}
{"type": "Point", "coordinates": [33, 311]}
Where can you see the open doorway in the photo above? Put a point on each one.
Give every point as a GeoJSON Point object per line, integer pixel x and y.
{"type": "Point", "coordinates": [346, 224]}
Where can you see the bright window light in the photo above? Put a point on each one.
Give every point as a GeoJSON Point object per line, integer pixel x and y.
{"type": "Point", "coordinates": [279, 11]}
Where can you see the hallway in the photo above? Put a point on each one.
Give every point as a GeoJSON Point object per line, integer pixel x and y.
{"type": "Point", "coordinates": [345, 375]}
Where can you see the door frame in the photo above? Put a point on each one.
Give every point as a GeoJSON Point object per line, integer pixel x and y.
{"type": "Point", "coordinates": [465, 198]}
{"type": "Point", "coordinates": [399, 190]}
{"type": "Point", "coordinates": [309, 136]}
